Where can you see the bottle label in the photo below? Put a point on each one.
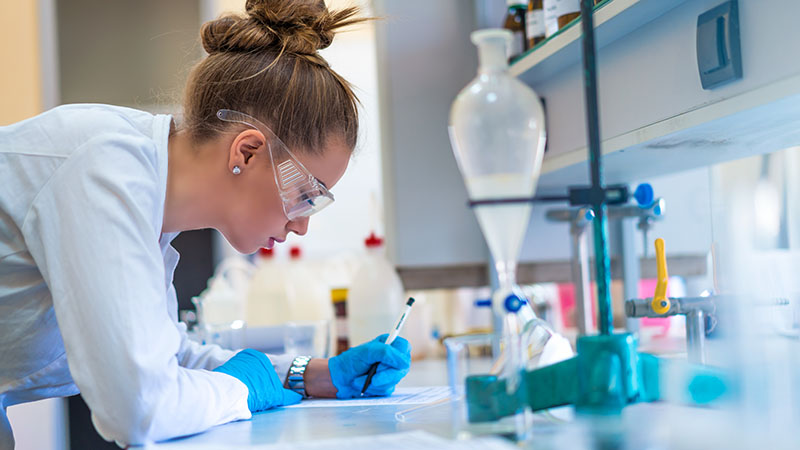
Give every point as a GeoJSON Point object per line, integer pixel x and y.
{"type": "Point", "coordinates": [534, 23]}
{"type": "Point", "coordinates": [553, 9]}
{"type": "Point", "coordinates": [341, 327]}
{"type": "Point", "coordinates": [567, 7]}
{"type": "Point", "coordinates": [517, 44]}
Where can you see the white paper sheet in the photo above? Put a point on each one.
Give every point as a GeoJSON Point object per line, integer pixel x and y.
{"type": "Point", "coordinates": [401, 396]}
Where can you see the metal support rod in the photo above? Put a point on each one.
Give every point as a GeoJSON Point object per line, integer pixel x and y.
{"type": "Point", "coordinates": [631, 274]}
{"type": "Point", "coordinates": [581, 280]}
{"type": "Point", "coordinates": [696, 336]}
{"type": "Point", "coordinates": [600, 225]}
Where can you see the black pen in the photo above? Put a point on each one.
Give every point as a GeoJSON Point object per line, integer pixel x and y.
{"type": "Point", "coordinates": [392, 336]}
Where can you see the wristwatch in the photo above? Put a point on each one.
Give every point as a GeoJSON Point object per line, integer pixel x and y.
{"type": "Point", "coordinates": [294, 380]}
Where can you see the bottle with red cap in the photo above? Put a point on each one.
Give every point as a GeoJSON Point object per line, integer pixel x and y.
{"type": "Point", "coordinates": [376, 295]}
{"type": "Point", "coordinates": [309, 301]}
{"type": "Point", "coordinates": [267, 299]}
{"type": "Point", "coordinates": [309, 297]}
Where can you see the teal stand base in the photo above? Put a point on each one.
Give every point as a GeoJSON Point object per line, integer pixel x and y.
{"type": "Point", "coordinates": [607, 374]}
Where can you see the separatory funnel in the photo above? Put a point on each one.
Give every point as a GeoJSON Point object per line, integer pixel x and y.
{"type": "Point", "coordinates": [497, 132]}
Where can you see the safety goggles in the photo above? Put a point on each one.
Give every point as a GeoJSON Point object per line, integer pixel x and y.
{"type": "Point", "coordinates": [302, 194]}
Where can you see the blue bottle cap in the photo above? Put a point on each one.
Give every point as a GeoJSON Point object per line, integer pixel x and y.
{"type": "Point", "coordinates": [644, 195]}
{"type": "Point", "coordinates": [513, 303]}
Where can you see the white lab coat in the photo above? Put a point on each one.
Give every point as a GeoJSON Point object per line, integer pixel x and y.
{"type": "Point", "coordinates": [86, 296]}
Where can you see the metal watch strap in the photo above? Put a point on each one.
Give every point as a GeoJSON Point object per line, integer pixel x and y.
{"type": "Point", "coordinates": [294, 380]}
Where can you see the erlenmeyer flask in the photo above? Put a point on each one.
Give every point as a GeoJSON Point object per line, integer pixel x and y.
{"type": "Point", "coordinates": [497, 132]}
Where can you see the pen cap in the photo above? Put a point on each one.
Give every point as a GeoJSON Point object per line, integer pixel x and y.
{"type": "Point", "coordinates": [418, 328]}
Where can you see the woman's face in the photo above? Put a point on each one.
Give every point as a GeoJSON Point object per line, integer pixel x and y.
{"type": "Point", "coordinates": [256, 216]}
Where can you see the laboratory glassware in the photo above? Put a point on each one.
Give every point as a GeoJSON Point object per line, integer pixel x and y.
{"type": "Point", "coordinates": [534, 23]}
{"type": "Point", "coordinates": [302, 194]}
{"type": "Point", "coordinates": [515, 23]}
{"type": "Point", "coordinates": [497, 132]}
{"type": "Point", "coordinates": [310, 338]}
{"type": "Point", "coordinates": [466, 355]}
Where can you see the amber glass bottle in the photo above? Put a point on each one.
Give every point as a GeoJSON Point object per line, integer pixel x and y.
{"type": "Point", "coordinates": [569, 10]}
{"type": "Point", "coordinates": [515, 22]}
{"type": "Point", "coordinates": [534, 22]}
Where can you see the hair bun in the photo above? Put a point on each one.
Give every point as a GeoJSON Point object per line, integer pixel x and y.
{"type": "Point", "coordinates": [299, 26]}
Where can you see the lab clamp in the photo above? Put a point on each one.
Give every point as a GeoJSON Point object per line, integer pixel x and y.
{"type": "Point", "coordinates": [699, 311]}
{"type": "Point", "coordinates": [647, 210]}
{"type": "Point", "coordinates": [608, 373]}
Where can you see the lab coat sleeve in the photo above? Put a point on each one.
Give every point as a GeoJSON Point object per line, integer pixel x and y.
{"type": "Point", "coordinates": [93, 231]}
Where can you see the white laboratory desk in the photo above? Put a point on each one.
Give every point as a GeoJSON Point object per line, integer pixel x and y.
{"type": "Point", "coordinates": [642, 426]}
{"type": "Point", "coordinates": [291, 425]}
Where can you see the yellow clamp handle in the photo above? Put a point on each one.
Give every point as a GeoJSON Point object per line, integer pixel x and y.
{"type": "Point", "coordinates": [661, 303]}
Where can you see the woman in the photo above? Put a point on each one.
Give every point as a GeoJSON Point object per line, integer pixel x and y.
{"type": "Point", "coordinates": [92, 195]}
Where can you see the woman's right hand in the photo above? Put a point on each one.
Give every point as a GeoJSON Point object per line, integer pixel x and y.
{"type": "Point", "coordinates": [349, 370]}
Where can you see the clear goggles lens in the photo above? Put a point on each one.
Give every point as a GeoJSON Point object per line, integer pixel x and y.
{"type": "Point", "coordinates": [302, 194]}
{"type": "Point", "coordinates": [306, 204]}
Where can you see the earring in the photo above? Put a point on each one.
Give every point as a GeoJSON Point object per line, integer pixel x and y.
{"type": "Point", "coordinates": [236, 170]}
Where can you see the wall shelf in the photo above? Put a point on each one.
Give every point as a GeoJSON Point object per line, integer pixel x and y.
{"type": "Point", "coordinates": [655, 117]}
{"type": "Point", "coordinates": [613, 19]}
{"type": "Point", "coordinates": [477, 275]}
{"type": "Point", "coordinates": [763, 120]}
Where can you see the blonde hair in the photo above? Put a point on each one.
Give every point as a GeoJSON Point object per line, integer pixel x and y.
{"type": "Point", "coordinates": [266, 64]}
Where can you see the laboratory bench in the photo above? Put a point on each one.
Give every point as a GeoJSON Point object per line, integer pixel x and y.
{"type": "Point", "coordinates": [647, 425]}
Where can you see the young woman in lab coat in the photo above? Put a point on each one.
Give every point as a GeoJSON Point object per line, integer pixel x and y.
{"type": "Point", "coordinates": [92, 195]}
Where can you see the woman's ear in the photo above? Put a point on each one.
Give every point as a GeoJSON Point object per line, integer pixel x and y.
{"type": "Point", "coordinates": [245, 145]}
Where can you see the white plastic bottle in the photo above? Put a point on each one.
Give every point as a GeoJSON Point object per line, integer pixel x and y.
{"type": "Point", "coordinates": [221, 306]}
{"type": "Point", "coordinates": [267, 299]}
{"type": "Point", "coordinates": [376, 296]}
{"type": "Point", "coordinates": [309, 302]}
{"type": "Point", "coordinates": [308, 293]}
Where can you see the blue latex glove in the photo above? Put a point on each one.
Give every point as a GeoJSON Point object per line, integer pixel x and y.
{"type": "Point", "coordinates": [255, 370]}
{"type": "Point", "coordinates": [349, 370]}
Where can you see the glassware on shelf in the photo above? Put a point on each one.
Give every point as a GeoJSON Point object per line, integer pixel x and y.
{"type": "Point", "coordinates": [535, 29]}
{"type": "Point", "coordinates": [558, 13]}
{"type": "Point", "coordinates": [515, 23]}
{"type": "Point", "coordinates": [569, 10]}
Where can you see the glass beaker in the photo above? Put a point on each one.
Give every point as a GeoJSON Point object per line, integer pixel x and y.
{"type": "Point", "coordinates": [467, 355]}
{"type": "Point", "coordinates": [307, 338]}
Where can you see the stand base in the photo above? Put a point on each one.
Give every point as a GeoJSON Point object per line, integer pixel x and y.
{"type": "Point", "coordinates": [607, 374]}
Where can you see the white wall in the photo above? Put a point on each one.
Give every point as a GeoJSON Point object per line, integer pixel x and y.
{"type": "Point", "coordinates": [358, 207]}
